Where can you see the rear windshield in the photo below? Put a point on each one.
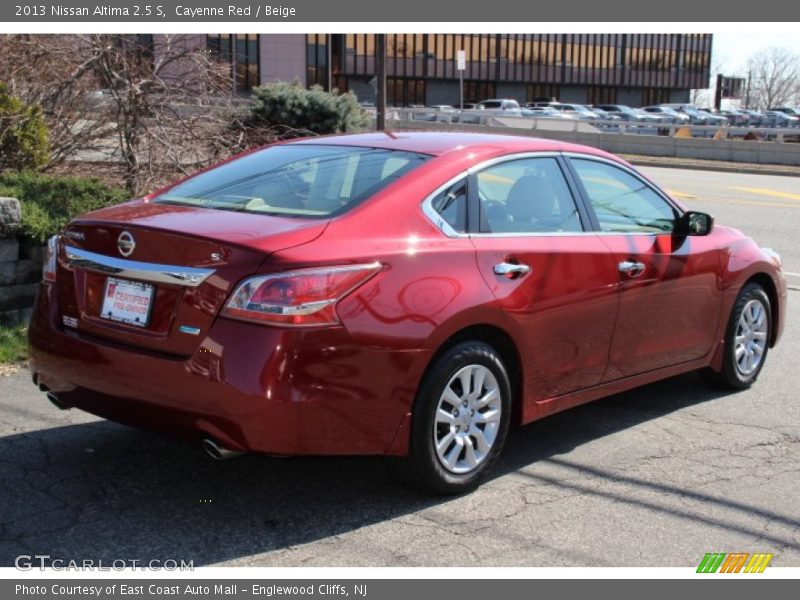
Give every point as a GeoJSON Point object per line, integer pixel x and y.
{"type": "Point", "coordinates": [301, 180]}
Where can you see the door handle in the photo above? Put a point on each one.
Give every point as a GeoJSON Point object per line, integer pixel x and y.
{"type": "Point", "coordinates": [511, 270]}
{"type": "Point", "coordinates": [631, 268]}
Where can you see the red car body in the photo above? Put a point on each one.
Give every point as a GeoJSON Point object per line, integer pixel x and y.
{"type": "Point", "coordinates": [573, 330]}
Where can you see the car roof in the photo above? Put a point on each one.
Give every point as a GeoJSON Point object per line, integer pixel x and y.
{"type": "Point", "coordinates": [438, 143]}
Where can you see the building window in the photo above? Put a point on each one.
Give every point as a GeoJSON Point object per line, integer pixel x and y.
{"type": "Point", "coordinates": [598, 94]}
{"type": "Point", "coordinates": [317, 60]}
{"type": "Point", "coordinates": [475, 91]}
{"type": "Point", "coordinates": [242, 52]}
{"type": "Point", "coordinates": [652, 96]}
{"type": "Point", "coordinates": [405, 92]}
{"type": "Point", "coordinates": [543, 92]}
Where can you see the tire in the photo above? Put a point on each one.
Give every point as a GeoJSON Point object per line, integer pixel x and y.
{"type": "Point", "coordinates": [747, 335]}
{"type": "Point", "coordinates": [469, 438]}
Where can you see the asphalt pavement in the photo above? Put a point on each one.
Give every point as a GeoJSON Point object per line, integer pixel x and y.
{"type": "Point", "coordinates": [657, 476]}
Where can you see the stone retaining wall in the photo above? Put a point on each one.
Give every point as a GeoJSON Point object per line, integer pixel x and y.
{"type": "Point", "coordinates": [20, 267]}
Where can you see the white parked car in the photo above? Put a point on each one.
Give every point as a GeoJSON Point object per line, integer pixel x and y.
{"type": "Point", "coordinates": [501, 107]}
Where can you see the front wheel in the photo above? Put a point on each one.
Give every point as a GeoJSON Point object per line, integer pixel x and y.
{"type": "Point", "coordinates": [746, 340]}
{"type": "Point", "coordinates": [460, 420]}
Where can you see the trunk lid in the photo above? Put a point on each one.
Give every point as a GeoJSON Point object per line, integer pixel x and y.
{"type": "Point", "coordinates": [215, 249]}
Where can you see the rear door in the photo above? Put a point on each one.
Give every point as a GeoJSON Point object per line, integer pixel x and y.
{"type": "Point", "coordinates": [670, 290]}
{"type": "Point", "coordinates": [555, 282]}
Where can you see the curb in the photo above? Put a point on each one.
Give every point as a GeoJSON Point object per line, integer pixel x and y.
{"type": "Point", "coordinates": [721, 166]}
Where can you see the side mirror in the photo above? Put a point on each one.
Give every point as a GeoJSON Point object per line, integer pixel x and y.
{"type": "Point", "coordinates": [694, 223]}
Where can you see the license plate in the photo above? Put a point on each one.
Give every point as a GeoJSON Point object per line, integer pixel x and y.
{"type": "Point", "coordinates": [127, 302]}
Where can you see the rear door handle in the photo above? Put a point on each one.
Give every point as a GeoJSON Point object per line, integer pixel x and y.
{"type": "Point", "coordinates": [631, 268]}
{"type": "Point", "coordinates": [508, 269]}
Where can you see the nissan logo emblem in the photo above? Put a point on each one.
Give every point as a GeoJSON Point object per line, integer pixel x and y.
{"type": "Point", "coordinates": [125, 243]}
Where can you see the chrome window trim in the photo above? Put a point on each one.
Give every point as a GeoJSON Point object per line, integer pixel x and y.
{"type": "Point", "coordinates": [153, 272]}
{"type": "Point", "coordinates": [445, 228]}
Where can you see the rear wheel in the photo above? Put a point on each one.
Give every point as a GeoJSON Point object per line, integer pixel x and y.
{"type": "Point", "coordinates": [746, 340]}
{"type": "Point", "coordinates": [461, 418]}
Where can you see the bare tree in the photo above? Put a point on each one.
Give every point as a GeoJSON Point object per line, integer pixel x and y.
{"type": "Point", "coordinates": [159, 105]}
{"type": "Point", "coordinates": [169, 99]}
{"type": "Point", "coordinates": [774, 75]}
{"type": "Point", "coordinates": [46, 70]}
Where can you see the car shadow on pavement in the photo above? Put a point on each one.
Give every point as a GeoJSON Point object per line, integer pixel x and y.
{"type": "Point", "coordinates": [105, 492]}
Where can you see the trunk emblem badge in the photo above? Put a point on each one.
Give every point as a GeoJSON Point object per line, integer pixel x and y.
{"type": "Point", "coordinates": [125, 243]}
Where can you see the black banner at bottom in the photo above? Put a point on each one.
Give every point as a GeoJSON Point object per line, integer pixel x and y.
{"type": "Point", "coordinates": [387, 589]}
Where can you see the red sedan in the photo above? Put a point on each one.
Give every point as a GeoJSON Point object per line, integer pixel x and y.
{"type": "Point", "coordinates": [411, 295]}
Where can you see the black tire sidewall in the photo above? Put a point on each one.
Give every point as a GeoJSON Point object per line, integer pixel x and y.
{"type": "Point", "coordinates": [428, 469]}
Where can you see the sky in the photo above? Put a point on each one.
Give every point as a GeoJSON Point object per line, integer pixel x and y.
{"type": "Point", "coordinates": [731, 50]}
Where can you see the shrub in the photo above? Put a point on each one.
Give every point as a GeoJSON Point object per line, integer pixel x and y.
{"type": "Point", "coordinates": [48, 203]}
{"type": "Point", "coordinates": [24, 142]}
{"type": "Point", "coordinates": [298, 111]}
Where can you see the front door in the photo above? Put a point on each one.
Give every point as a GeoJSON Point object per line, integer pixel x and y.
{"type": "Point", "coordinates": [670, 291]}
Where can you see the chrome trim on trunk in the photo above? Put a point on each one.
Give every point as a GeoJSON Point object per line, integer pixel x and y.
{"type": "Point", "coordinates": [157, 273]}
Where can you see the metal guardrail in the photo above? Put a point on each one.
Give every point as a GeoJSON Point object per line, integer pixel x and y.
{"type": "Point", "coordinates": [483, 117]}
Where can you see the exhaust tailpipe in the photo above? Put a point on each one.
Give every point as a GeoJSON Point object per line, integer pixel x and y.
{"type": "Point", "coordinates": [217, 452]}
{"type": "Point", "coordinates": [56, 402]}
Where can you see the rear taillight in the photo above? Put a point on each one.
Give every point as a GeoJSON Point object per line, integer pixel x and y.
{"type": "Point", "coordinates": [302, 297]}
{"type": "Point", "coordinates": [50, 260]}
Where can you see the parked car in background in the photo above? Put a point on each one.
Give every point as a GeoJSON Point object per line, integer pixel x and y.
{"type": "Point", "coordinates": [699, 117]}
{"type": "Point", "coordinates": [774, 118]}
{"type": "Point", "coordinates": [575, 111]}
{"type": "Point", "coordinates": [754, 117]}
{"type": "Point", "coordinates": [545, 112]}
{"type": "Point", "coordinates": [340, 296]}
{"type": "Point", "coordinates": [668, 115]}
{"type": "Point", "coordinates": [788, 110]}
{"type": "Point", "coordinates": [505, 107]}
{"type": "Point", "coordinates": [606, 116]}
{"type": "Point", "coordinates": [735, 117]}
{"type": "Point", "coordinates": [625, 113]}
{"type": "Point", "coordinates": [647, 118]}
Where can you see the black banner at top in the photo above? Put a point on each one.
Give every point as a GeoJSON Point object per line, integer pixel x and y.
{"type": "Point", "coordinates": [364, 11]}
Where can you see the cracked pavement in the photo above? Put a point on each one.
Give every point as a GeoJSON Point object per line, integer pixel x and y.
{"type": "Point", "coordinates": [653, 477]}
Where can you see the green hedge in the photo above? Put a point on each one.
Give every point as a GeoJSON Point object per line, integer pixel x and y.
{"type": "Point", "coordinates": [300, 111]}
{"type": "Point", "coordinates": [24, 141]}
{"type": "Point", "coordinates": [48, 203]}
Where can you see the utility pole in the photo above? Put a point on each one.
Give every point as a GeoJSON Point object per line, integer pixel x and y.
{"type": "Point", "coordinates": [380, 76]}
{"type": "Point", "coordinates": [328, 62]}
{"type": "Point", "coordinates": [747, 92]}
{"type": "Point", "coordinates": [718, 93]}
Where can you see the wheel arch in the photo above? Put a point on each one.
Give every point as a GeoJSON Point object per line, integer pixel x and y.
{"type": "Point", "coordinates": [768, 285]}
{"type": "Point", "coordinates": [503, 343]}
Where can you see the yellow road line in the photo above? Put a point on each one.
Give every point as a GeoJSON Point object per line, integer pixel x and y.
{"type": "Point", "coordinates": [747, 202]}
{"type": "Point", "coordinates": [677, 194]}
{"type": "Point", "coordinates": [766, 192]}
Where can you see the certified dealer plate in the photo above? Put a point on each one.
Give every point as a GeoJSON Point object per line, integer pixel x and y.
{"type": "Point", "coordinates": [127, 301]}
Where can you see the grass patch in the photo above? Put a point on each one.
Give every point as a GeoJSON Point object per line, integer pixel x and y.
{"type": "Point", "coordinates": [13, 344]}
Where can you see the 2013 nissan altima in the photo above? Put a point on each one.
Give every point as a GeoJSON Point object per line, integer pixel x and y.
{"type": "Point", "coordinates": [411, 295]}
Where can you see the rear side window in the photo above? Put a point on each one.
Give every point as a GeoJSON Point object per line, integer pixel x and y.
{"type": "Point", "coordinates": [527, 195]}
{"type": "Point", "coordinates": [301, 180]}
{"type": "Point", "coordinates": [451, 205]}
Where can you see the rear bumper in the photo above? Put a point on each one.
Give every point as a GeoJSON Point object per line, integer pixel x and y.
{"type": "Point", "coordinates": [252, 388]}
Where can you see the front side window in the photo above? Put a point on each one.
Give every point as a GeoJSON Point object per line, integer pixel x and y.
{"type": "Point", "coordinates": [526, 196]}
{"type": "Point", "coordinates": [302, 180]}
{"type": "Point", "coordinates": [623, 203]}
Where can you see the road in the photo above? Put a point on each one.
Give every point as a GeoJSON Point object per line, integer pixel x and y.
{"type": "Point", "coordinates": [653, 477]}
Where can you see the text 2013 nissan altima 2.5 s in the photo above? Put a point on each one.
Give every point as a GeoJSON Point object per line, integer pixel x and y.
{"type": "Point", "coordinates": [411, 295]}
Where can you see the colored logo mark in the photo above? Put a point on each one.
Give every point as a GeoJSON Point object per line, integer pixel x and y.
{"type": "Point", "coordinates": [734, 562]}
